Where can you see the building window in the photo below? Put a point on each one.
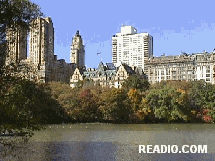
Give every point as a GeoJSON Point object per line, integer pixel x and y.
{"type": "Point", "coordinates": [208, 79]}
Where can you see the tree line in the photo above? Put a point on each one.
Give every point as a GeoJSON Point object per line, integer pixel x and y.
{"type": "Point", "coordinates": [137, 101]}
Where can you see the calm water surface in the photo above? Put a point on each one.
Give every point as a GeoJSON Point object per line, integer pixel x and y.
{"type": "Point", "coordinates": [89, 142]}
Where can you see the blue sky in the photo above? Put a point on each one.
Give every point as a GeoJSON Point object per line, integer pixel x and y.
{"type": "Point", "coordinates": [185, 25]}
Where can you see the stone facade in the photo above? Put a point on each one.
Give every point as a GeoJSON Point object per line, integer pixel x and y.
{"type": "Point", "coordinates": [17, 45]}
{"type": "Point", "coordinates": [198, 66]}
{"type": "Point", "coordinates": [105, 75]}
{"type": "Point", "coordinates": [77, 53]}
{"type": "Point", "coordinates": [42, 47]}
{"type": "Point", "coordinates": [41, 65]}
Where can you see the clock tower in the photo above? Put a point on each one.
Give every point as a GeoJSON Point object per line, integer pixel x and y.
{"type": "Point", "coordinates": [77, 53]}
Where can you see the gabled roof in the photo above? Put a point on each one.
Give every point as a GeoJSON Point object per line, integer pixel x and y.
{"type": "Point", "coordinates": [110, 66]}
{"type": "Point", "coordinates": [101, 67]}
{"type": "Point", "coordinates": [81, 70]}
{"type": "Point", "coordinates": [128, 68]}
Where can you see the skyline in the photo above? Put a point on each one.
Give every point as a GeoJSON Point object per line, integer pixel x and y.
{"type": "Point", "coordinates": [175, 26]}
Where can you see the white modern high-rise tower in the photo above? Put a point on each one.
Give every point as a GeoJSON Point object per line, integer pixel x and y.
{"type": "Point", "coordinates": [131, 48]}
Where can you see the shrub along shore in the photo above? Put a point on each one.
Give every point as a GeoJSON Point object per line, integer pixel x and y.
{"type": "Point", "coordinates": [27, 104]}
{"type": "Point", "coordinates": [137, 102]}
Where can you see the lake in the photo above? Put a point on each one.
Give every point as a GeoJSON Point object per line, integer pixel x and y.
{"type": "Point", "coordinates": [99, 141]}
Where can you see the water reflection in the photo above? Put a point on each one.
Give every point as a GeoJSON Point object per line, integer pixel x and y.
{"type": "Point", "coordinates": [116, 142]}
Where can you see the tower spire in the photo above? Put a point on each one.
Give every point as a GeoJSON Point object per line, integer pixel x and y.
{"type": "Point", "coordinates": [77, 53]}
{"type": "Point", "coordinates": [77, 32]}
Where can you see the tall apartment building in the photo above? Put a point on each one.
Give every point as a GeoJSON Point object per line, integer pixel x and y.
{"type": "Point", "coordinates": [131, 48]}
{"type": "Point", "coordinates": [77, 53]}
{"type": "Point", "coordinates": [41, 65]}
{"type": "Point", "coordinates": [42, 46]}
{"type": "Point", "coordinates": [17, 45]}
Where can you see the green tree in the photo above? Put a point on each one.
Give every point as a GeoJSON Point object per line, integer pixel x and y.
{"type": "Point", "coordinates": [169, 104]}
{"type": "Point", "coordinates": [16, 113]}
{"type": "Point", "coordinates": [202, 100]}
{"type": "Point", "coordinates": [201, 95]}
{"type": "Point", "coordinates": [25, 107]}
{"type": "Point", "coordinates": [196, 94]}
{"type": "Point", "coordinates": [211, 113]}
{"type": "Point", "coordinates": [115, 105]}
{"type": "Point", "coordinates": [135, 82]}
{"type": "Point", "coordinates": [62, 93]}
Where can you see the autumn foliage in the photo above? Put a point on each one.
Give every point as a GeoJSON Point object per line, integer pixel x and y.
{"type": "Point", "coordinates": [167, 101]}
